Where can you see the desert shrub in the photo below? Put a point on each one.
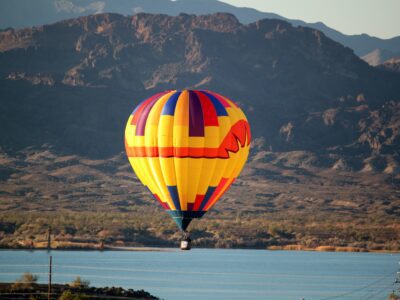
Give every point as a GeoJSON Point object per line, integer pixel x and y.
{"type": "Point", "coordinates": [26, 281]}
{"type": "Point", "coordinates": [80, 283]}
{"type": "Point", "coordinates": [68, 295]}
{"type": "Point", "coordinates": [393, 296]}
{"type": "Point", "coordinates": [325, 248]}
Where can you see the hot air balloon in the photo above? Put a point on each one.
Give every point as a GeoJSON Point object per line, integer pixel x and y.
{"type": "Point", "coordinates": [187, 147]}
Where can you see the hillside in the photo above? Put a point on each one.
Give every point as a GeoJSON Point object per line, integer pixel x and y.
{"type": "Point", "coordinates": [75, 82]}
{"type": "Point", "coordinates": [324, 167]}
{"type": "Point", "coordinates": [281, 199]}
{"type": "Point", "coordinates": [25, 13]}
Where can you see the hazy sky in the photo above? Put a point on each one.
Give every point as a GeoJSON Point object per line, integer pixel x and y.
{"type": "Point", "coordinates": [376, 17]}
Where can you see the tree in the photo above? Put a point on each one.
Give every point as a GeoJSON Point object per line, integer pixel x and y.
{"type": "Point", "coordinates": [80, 283]}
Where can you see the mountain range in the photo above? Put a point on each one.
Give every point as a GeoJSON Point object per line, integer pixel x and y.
{"type": "Point", "coordinates": [301, 90]}
{"type": "Point", "coordinates": [326, 128]}
{"type": "Point", "coordinates": [26, 13]}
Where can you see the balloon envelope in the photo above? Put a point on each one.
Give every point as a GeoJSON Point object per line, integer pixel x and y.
{"type": "Point", "coordinates": [187, 147]}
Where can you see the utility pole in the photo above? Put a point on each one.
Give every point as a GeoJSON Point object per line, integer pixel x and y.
{"type": "Point", "coordinates": [49, 288]}
{"type": "Point", "coordinates": [49, 239]}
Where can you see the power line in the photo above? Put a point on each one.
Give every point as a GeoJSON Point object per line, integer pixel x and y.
{"type": "Point", "coordinates": [376, 290]}
{"type": "Point", "coordinates": [359, 289]}
{"type": "Point", "coordinates": [375, 293]}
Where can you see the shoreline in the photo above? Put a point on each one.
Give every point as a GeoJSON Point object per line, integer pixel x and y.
{"type": "Point", "coordinates": [95, 247]}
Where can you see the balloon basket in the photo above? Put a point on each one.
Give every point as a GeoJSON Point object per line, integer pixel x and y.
{"type": "Point", "coordinates": [186, 241]}
{"type": "Point", "coordinates": [185, 245]}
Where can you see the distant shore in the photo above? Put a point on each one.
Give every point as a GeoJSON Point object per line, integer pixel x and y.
{"type": "Point", "coordinates": [89, 247]}
{"type": "Point", "coordinates": [327, 249]}
{"type": "Point", "coordinates": [74, 246]}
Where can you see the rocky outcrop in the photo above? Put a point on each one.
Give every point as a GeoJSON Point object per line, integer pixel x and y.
{"type": "Point", "coordinates": [391, 65]}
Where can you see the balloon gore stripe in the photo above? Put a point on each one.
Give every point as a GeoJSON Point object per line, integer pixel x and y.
{"type": "Point", "coordinates": [173, 191]}
{"type": "Point", "coordinates": [169, 107]}
{"type": "Point", "coordinates": [196, 121]}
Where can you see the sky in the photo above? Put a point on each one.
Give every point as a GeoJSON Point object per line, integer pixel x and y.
{"type": "Point", "coordinates": [379, 18]}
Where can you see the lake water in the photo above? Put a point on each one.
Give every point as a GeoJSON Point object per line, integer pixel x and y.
{"type": "Point", "coordinates": [217, 274]}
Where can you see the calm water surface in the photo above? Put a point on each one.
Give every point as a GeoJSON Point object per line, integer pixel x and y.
{"type": "Point", "coordinates": [218, 274]}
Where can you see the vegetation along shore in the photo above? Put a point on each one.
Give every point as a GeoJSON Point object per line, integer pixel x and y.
{"type": "Point", "coordinates": [27, 287]}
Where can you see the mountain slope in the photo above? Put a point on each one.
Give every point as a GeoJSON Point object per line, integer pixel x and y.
{"type": "Point", "coordinates": [392, 64]}
{"type": "Point", "coordinates": [25, 13]}
{"type": "Point", "coordinates": [73, 82]}
{"type": "Point", "coordinates": [379, 56]}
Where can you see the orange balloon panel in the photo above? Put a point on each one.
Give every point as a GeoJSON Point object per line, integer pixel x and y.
{"type": "Point", "coordinates": [187, 147]}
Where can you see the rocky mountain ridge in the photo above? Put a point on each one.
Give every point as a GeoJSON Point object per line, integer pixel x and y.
{"type": "Point", "coordinates": [300, 90]}
{"type": "Point", "coordinates": [25, 13]}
